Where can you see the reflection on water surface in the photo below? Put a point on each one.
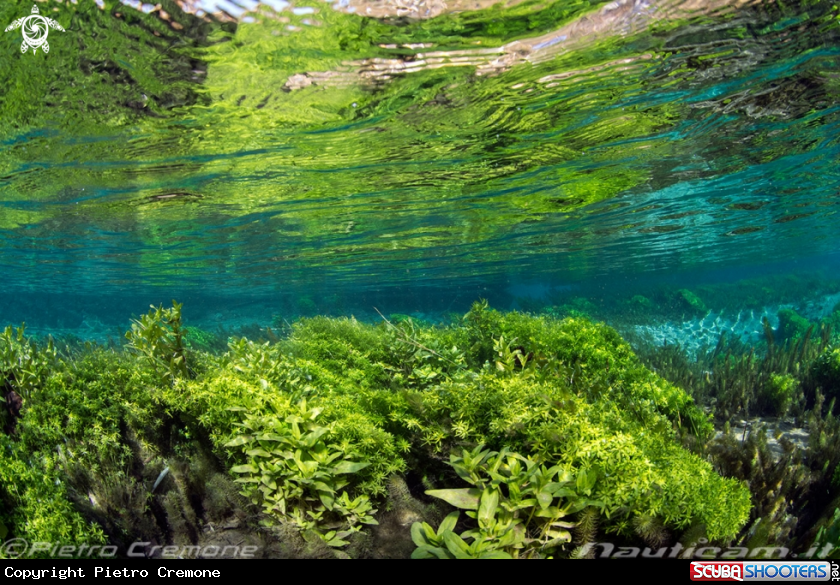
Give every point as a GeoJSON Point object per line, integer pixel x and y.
{"type": "Point", "coordinates": [278, 143]}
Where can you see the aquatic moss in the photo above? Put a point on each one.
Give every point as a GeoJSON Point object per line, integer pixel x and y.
{"type": "Point", "coordinates": [690, 301]}
{"type": "Point", "coordinates": [792, 326]}
{"type": "Point", "coordinates": [639, 305]}
{"type": "Point", "coordinates": [576, 307]}
{"type": "Point", "coordinates": [826, 371]}
{"type": "Point", "coordinates": [833, 321]}
{"type": "Point", "coordinates": [198, 339]}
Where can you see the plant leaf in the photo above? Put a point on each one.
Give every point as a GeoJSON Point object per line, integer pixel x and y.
{"type": "Point", "coordinates": [487, 508]}
{"type": "Point", "coordinates": [562, 537]}
{"type": "Point", "coordinates": [464, 498]}
{"type": "Point", "coordinates": [311, 438]}
{"type": "Point", "coordinates": [239, 441]}
{"type": "Point", "coordinates": [456, 545]}
{"type": "Point", "coordinates": [545, 498]}
{"type": "Point", "coordinates": [418, 537]}
{"type": "Point", "coordinates": [430, 552]}
{"type": "Point", "coordinates": [448, 523]}
{"type": "Point", "coordinates": [551, 512]}
{"type": "Point", "coordinates": [495, 554]}
{"type": "Point", "coordinates": [327, 499]}
{"type": "Point", "coordinates": [349, 467]}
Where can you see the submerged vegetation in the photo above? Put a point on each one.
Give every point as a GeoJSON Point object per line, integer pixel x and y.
{"type": "Point", "coordinates": [544, 423]}
{"type": "Point", "coordinates": [759, 396]}
{"type": "Point", "coordinates": [547, 432]}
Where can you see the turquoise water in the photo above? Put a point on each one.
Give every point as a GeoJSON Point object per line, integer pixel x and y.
{"type": "Point", "coordinates": [241, 161]}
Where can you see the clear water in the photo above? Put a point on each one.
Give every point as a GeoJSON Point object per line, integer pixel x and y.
{"type": "Point", "coordinates": [278, 160]}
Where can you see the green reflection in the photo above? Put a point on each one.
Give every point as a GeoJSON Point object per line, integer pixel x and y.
{"type": "Point", "coordinates": [184, 148]}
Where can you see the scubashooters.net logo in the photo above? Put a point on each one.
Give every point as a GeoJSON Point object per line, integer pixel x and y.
{"type": "Point", "coordinates": [798, 571]}
{"type": "Point", "coordinates": [35, 29]}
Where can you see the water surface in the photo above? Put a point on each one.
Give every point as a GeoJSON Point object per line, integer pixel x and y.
{"type": "Point", "coordinates": [413, 157]}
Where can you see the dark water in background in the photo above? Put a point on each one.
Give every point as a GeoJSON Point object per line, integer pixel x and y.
{"type": "Point", "coordinates": [298, 160]}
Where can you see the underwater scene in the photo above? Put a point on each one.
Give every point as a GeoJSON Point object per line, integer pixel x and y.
{"type": "Point", "coordinates": [420, 279]}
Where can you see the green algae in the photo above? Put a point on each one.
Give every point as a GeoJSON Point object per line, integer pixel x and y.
{"type": "Point", "coordinates": [792, 326]}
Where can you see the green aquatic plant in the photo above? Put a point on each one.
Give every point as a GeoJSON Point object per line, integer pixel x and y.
{"type": "Point", "coordinates": [792, 326]}
{"type": "Point", "coordinates": [778, 482]}
{"type": "Point", "coordinates": [507, 360]}
{"type": "Point", "coordinates": [322, 420]}
{"type": "Point", "coordinates": [779, 393]}
{"type": "Point", "coordinates": [298, 474]}
{"type": "Point", "coordinates": [823, 445]}
{"type": "Point", "coordinates": [576, 404]}
{"type": "Point", "coordinates": [251, 378]}
{"type": "Point", "coordinates": [24, 365]}
{"type": "Point", "coordinates": [826, 372]}
{"type": "Point", "coordinates": [640, 305]}
{"type": "Point", "coordinates": [735, 379]}
{"type": "Point", "coordinates": [787, 483]}
{"type": "Point", "coordinates": [429, 394]}
{"type": "Point", "coordinates": [828, 535]}
{"type": "Point", "coordinates": [689, 301]}
{"type": "Point", "coordinates": [39, 509]}
{"type": "Point", "coordinates": [399, 317]}
{"type": "Point", "coordinates": [159, 336]}
{"type": "Point", "coordinates": [198, 339]}
{"type": "Point", "coordinates": [520, 508]}
{"type": "Point", "coordinates": [256, 361]}
{"type": "Point", "coordinates": [835, 479]}
{"type": "Point", "coordinates": [575, 307]}
{"type": "Point", "coordinates": [72, 435]}
{"type": "Point", "coordinates": [833, 321]}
